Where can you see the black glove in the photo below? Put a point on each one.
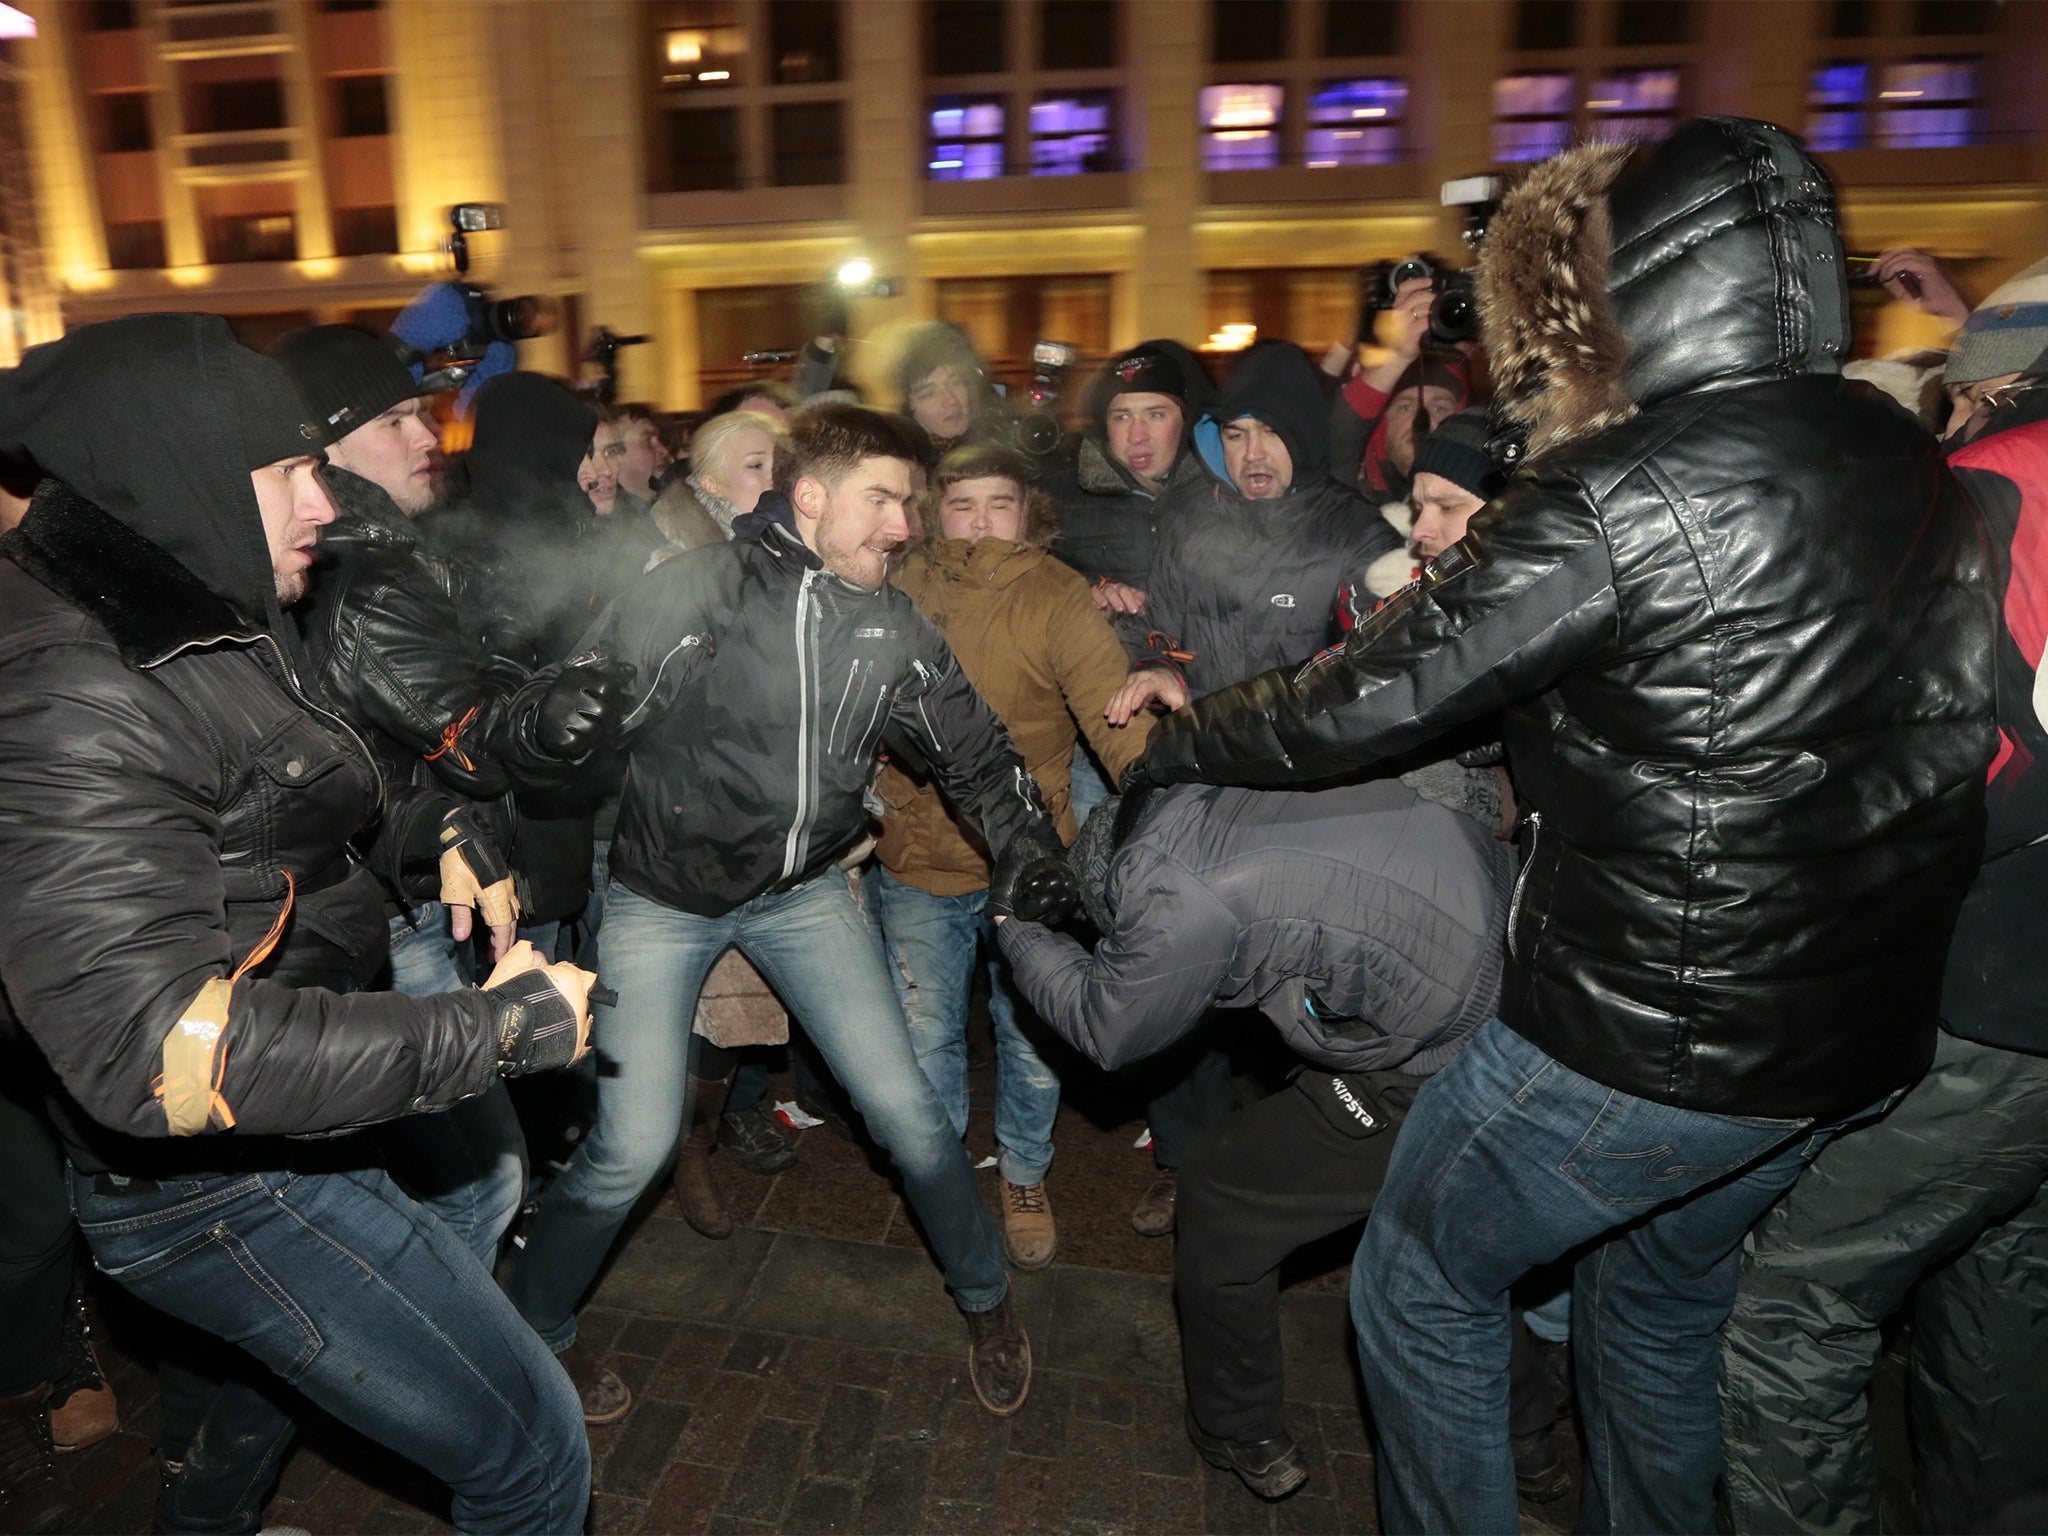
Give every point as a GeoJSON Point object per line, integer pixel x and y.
{"type": "Point", "coordinates": [1136, 779]}
{"type": "Point", "coordinates": [538, 1028]}
{"type": "Point", "coordinates": [582, 708]}
{"type": "Point", "coordinates": [1032, 880]}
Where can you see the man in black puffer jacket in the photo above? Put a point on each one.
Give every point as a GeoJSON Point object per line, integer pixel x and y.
{"type": "Point", "coordinates": [770, 669]}
{"type": "Point", "coordinates": [386, 649]}
{"type": "Point", "coordinates": [183, 917]}
{"type": "Point", "coordinates": [1733, 613]}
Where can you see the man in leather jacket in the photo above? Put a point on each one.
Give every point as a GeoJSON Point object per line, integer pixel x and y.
{"type": "Point", "coordinates": [1732, 612]}
{"type": "Point", "coordinates": [769, 670]}
{"type": "Point", "coordinates": [386, 650]}
{"type": "Point", "coordinates": [184, 927]}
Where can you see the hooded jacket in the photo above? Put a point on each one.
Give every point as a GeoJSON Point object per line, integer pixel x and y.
{"type": "Point", "coordinates": [1364, 922]}
{"type": "Point", "coordinates": [1734, 614]}
{"type": "Point", "coordinates": [1996, 990]}
{"type": "Point", "coordinates": [765, 685]}
{"type": "Point", "coordinates": [1239, 585]}
{"type": "Point", "coordinates": [1030, 641]}
{"type": "Point", "coordinates": [168, 788]}
{"type": "Point", "coordinates": [1109, 523]}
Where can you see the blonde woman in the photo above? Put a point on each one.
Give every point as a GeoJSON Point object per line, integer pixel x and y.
{"type": "Point", "coordinates": [732, 461]}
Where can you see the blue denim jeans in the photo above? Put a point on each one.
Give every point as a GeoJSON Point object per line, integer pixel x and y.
{"type": "Point", "coordinates": [468, 1164]}
{"type": "Point", "coordinates": [932, 942]}
{"type": "Point", "coordinates": [341, 1285]}
{"type": "Point", "coordinates": [1089, 787]}
{"type": "Point", "coordinates": [814, 946]}
{"type": "Point", "coordinates": [1509, 1160]}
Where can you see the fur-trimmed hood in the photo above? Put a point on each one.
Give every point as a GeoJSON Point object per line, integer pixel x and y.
{"type": "Point", "coordinates": [1613, 277]}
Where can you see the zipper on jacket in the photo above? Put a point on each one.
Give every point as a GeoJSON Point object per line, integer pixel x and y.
{"type": "Point", "coordinates": [798, 840]}
{"type": "Point", "coordinates": [1522, 879]}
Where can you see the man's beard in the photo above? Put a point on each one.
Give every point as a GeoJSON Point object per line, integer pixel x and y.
{"type": "Point", "coordinates": [291, 588]}
{"type": "Point", "coordinates": [848, 567]}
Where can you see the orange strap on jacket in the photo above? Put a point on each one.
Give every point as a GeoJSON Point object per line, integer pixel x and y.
{"type": "Point", "coordinates": [450, 736]}
{"type": "Point", "coordinates": [1165, 645]}
{"type": "Point", "coordinates": [195, 1052]}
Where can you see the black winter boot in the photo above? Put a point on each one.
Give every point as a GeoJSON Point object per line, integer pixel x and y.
{"type": "Point", "coordinates": [34, 1497]}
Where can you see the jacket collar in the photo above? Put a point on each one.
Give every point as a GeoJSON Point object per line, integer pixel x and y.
{"type": "Point", "coordinates": [150, 605]}
{"type": "Point", "coordinates": [366, 514]}
{"type": "Point", "coordinates": [1101, 475]}
{"type": "Point", "coordinates": [993, 562]}
{"type": "Point", "coordinates": [772, 525]}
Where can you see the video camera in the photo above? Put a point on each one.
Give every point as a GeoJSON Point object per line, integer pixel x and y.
{"type": "Point", "coordinates": [1037, 433]}
{"type": "Point", "coordinates": [1453, 309]}
{"type": "Point", "coordinates": [448, 331]}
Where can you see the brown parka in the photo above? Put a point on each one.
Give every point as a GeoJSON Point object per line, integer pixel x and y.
{"type": "Point", "coordinates": [1031, 641]}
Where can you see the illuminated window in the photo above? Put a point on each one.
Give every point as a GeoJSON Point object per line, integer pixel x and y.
{"type": "Point", "coordinates": [1532, 115]}
{"type": "Point", "coordinates": [1835, 97]}
{"type": "Point", "coordinates": [1639, 104]}
{"type": "Point", "coordinates": [1929, 104]}
{"type": "Point", "coordinates": [1073, 132]}
{"type": "Point", "coordinates": [711, 49]}
{"type": "Point", "coordinates": [1356, 122]}
{"type": "Point", "coordinates": [1241, 126]}
{"type": "Point", "coordinates": [966, 138]}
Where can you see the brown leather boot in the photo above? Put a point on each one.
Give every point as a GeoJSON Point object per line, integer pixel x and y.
{"type": "Point", "coordinates": [696, 1191]}
{"type": "Point", "coordinates": [33, 1495]}
{"type": "Point", "coordinates": [998, 1358]}
{"type": "Point", "coordinates": [83, 1411]}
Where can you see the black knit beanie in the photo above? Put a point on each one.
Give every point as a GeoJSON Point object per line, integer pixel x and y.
{"type": "Point", "coordinates": [1456, 449]}
{"type": "Point", "coordinates": [348, 377]}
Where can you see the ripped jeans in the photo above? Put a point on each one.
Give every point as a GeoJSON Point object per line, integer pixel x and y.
{"type": "Point", "coordinates": [932, 942]}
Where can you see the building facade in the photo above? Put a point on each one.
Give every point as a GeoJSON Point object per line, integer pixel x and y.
{"type": "Point", "coordinates": [1091, 171]}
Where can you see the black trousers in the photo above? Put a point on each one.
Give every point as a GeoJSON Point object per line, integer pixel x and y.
{"type": "Point", "coordinates": [38, 1240]}
{"type": "Point", "coordinates": [1275, 1175]}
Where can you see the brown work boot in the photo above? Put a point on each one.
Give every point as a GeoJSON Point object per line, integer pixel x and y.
{"type": "Point", "coordinates": [1028, 1235]}
{"type": "Point", "coordinates": [82, 1407]}
{"type": "Point", "coordinates": [1153, 1216]}
{"type": "Point", "coordinates": [606, 1399]}
{"type": "Point", "coordinates": [998, 1358]}
{"type": "Point", "coordinates": [696, 1191]}
{"type": "Point", "coordinates": [33, 1495]}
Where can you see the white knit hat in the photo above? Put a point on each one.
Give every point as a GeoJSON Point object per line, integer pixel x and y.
{"type": "Point", "coordinates": [2007, 333]}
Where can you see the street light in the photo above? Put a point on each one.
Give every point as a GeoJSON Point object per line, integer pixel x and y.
{"type": "Point", "coordinates": [857, 273]}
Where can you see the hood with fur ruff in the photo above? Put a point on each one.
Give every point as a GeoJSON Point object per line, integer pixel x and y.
{"type": "Point", "coordinates": [1613, 277]}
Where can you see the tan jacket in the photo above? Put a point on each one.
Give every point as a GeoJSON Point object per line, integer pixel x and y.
{"type": "Point", "coordinates": [1031, 641]}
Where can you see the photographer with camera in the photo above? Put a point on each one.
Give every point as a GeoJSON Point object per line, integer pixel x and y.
{"type": "Point", "coordinates": [1381, 412]}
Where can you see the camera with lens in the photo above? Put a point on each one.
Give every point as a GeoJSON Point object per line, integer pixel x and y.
{"type": "Point", "coordinates": [1453, 311]}
{"type": "Point", "coordinates": [1037, 433]}
{"type": "Point", "coordinates": [449, 328]}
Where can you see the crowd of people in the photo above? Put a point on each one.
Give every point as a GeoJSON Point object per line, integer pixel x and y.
{"type": "Point", "coordinates": [1601, 758]}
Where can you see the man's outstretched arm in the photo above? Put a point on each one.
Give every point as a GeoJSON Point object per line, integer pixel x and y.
{"type": "Point", "coordinates": [1500, 617]}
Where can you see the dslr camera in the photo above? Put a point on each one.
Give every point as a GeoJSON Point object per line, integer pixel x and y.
{"type": "Point", "coordinates": [448, 329]}
{"type": "Point", "coordinates": [1453, 311]}
{"type": "Point", "coordinates": [1037, 433]}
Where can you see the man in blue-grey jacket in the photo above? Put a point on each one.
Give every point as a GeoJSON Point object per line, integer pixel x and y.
{"type": "Point", "coordinates": [1366, 923]}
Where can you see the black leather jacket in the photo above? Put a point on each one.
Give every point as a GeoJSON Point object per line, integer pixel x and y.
{"type": "Point", "coordinates": [161, 774]}
{"type": "Point", "coordinates": [765, 686]}
{"type": "Point", "coordinates": [1735, 617]}
{"type": "Point", "coordinates": [387, 650]}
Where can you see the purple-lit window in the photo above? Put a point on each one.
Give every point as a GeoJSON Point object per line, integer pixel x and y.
{"type": "Point", "coordinates": [1073, 132]}
{"type": "Point", "coordinates": [966, 139]}
{"type": "Point", "coordinates": [1836, 95]}
{"type": "Point", "coordinates": [1241, 126]}
{"type": "Point", "coordinates": [1532, 115]}
{"type": "Point", "coordinates": [1356, 122]}
{"type": "Point", "coordinates": [1929, 104]}
{"type": "Point", "coordinates": [1639, 104]}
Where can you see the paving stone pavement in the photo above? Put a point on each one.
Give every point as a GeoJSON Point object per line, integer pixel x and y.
{"type": "Point", "coordinates": [809, 1375]}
